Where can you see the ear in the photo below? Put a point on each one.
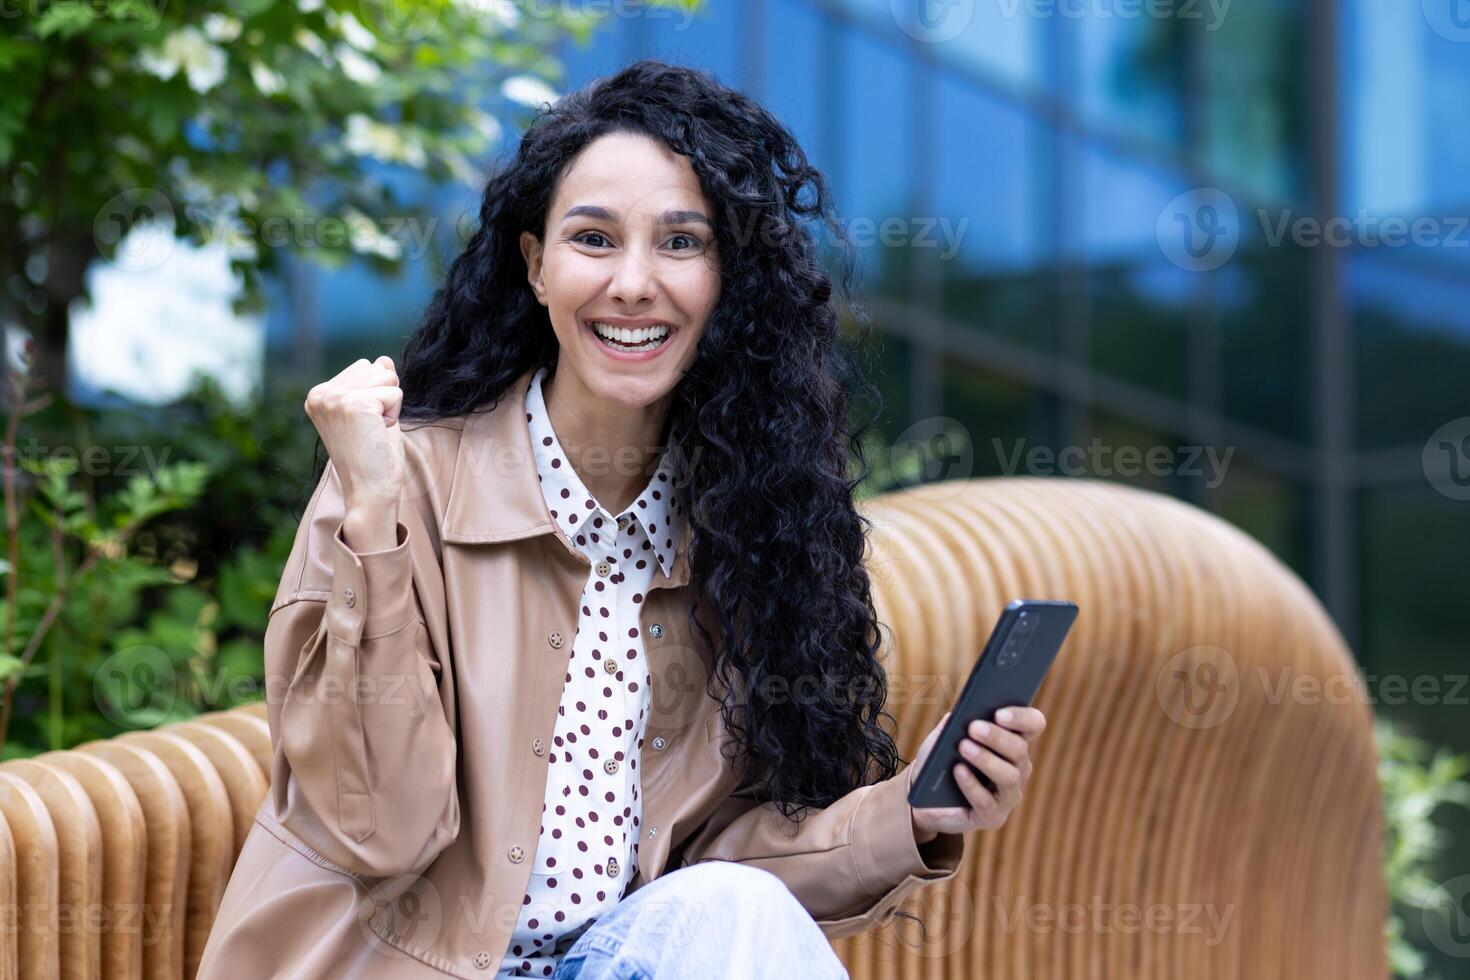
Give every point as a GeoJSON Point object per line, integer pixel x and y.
{"type": "Point", "coordinates": [531, 252]}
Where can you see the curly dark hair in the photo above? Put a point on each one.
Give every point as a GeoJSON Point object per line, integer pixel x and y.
{"type": "Point", "coordinates": [760, 421]}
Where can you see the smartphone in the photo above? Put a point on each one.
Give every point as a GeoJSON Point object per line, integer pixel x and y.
{"type": "Point", "coordinates": [1009, 671]}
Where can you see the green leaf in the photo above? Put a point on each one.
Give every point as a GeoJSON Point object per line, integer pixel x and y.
{"type": "Point", "coordinates": [65, 20]}
{"type": "Point", "coordinates": [11, 51]}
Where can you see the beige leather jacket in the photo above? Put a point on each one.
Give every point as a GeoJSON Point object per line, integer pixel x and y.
{"type": "Point", "coordinates": [413, 693]}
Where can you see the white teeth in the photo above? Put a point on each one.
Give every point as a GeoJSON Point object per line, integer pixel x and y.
{"type": "Point", "coordinates": [645, 338]}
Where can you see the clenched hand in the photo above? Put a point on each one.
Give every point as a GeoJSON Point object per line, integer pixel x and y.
{"type": "Point", "coordinates": [356, 414]}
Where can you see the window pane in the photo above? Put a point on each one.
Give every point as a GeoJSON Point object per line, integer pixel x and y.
{"type": "Point", "coordinates": [994, 40]}
{"type": "Point", "coordinates": [1139, 301]}
{"type": "Point", "coordinates": [874, 184]}
{"type": "Point", "coordinates": [1406, 148]}
{"type": "Point", "coordinates": [1269, 508]}
{"type": "Point", "coordinates": [1412, 339]}
{"type": "Point", "coordinates": [795, 88]}
{"type": "Point", "coordinates": [1125, 452]}
{"type": "Point", "coordinates": [1131, 73]}
{"type": "Point", "coordinates": [990, 166]}
{"type": "Point", "coordinates": [608, 49]}
{"type": "Point", "coordinates": [1264, 299]}
{"type": "Point", "coordinates": [1414, 614]}
{"type": "Point", "coordinates": [1003, 419]}
{"type": "Point", "coordinates": [709, 38]}
{"type": "Point", "coordinates": [1256, 120]}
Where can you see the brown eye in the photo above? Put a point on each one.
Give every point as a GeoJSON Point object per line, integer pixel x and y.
{"type": "Point", "coordinates": [589, 234]}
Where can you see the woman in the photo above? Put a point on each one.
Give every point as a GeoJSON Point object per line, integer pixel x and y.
{"type": "Point", "coordinates": [574, 661]}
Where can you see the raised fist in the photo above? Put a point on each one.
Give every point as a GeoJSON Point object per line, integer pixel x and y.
{"type": "Point", "coordinates": [356, 414]}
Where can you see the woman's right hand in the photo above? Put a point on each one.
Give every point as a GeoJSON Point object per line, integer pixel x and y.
{"type": "Point", "coordinates": [356, 414]}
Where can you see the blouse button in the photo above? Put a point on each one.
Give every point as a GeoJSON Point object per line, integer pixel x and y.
{"type": "Point", "coordinates": [610, 665]}
{"type": "Point", "coordinates": [603, 569]}
{"type": "Point", "coordinates": [658, 742]}
{"type": "Point", "coordinates": [516, 853]}
{"type": "Point", "coordinates": [624, 521]}
{"type": "Point", "coordinates": [349, 597]}
{"type": "Point", "coordinates": [554, 638]}
{"type": "Point", "coordinates": [539, 747]}
{"type": "Point", "coordinates": [612, 867]}
{"type": "Point", "coordinates": [611, 765]}
{"type": "Point", "coordinates": [482, 960]}
{"type": "Point", "coordinates": [655, 631]}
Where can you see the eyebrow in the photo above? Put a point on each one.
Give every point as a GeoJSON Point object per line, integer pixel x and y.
{"type": "Point", "coordinates": [668, 217]}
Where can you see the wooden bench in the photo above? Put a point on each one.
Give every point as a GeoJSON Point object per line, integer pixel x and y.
{"type": "Point", "coordinates": [1190, 816]}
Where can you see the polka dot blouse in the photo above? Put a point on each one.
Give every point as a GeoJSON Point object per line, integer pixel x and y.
{"type": "Point", "coordinates": [587, 851]}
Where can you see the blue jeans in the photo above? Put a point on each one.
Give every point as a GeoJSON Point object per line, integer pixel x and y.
{"type": "Point", "coordinates": [701, 922]}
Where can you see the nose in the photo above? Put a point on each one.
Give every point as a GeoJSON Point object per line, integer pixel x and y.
{"type": "Point", "coordinates": [633, 280]}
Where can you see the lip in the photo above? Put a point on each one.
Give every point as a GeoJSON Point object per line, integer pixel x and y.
{"type": "Point", "coordinates": [631, 323]}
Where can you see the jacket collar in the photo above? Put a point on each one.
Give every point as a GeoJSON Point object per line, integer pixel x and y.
{"type": "Point", "coordinates": [494, 495]}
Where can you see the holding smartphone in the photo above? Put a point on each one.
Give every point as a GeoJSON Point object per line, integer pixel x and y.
{"type": "Point", "coordinates": [1008, 672]}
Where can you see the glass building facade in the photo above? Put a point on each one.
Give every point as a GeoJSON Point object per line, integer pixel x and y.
{"type": "Point", "coordinates": [1104, 215]}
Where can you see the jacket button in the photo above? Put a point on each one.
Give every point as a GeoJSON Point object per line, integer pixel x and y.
{"type": "Point", "coordinates": [603, 569]}
{"type": "Point", "coordinates": [611, 765]}
{"type": "Point", "coordinates": [539, 747]}
{"type": "Point", "coordinates": [612, 867]}
{"type": "Point", "coordinates": [658, 742]}
{"type": "Point", "coordinates": [349, 597]}
{"type": "Point", "coordinates": [554, 638]}
{"type": "Point", "coordinates": [610, 665]}
{"type": "Point", "coordinates": [655, 631]}
{"type": "Point", "coordinates": [482, 960]}
{"type": "Point", "coordinates": [517, 853]}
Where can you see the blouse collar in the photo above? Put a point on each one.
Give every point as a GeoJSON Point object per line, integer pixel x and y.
{"type": "Point", "coordinates": [661, 509]}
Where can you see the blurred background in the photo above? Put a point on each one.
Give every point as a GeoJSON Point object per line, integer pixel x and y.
{"type": "Point", "coordinates": [1218, 249]}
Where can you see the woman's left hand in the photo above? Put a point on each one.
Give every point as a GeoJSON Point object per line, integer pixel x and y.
{"type": "Point", "coordinates": [1001, 750]}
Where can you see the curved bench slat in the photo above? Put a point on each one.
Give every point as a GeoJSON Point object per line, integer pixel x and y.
{"type": "Point", "coordinates": [251, 730]}
{"type": "Point", "coordinates": [37, 878]}
{"type": "Point", "coordinates": [124, 856]}
{"type": "Point", "coordinates": [244, 783]}
{"type": "Point", "coordinates": [213, 832]}
{"type": "Point", "coordinates": [9, 967]}
{"type": "Point", "coordinates": [79, 853]}
{"type": "Point", "coordinates": [258, 709]}
{"type": "Point", "coordinates": [169, 848]}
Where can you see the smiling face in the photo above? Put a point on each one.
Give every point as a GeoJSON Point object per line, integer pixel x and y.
{"type": "Point", "coordinates": [627, 270]}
